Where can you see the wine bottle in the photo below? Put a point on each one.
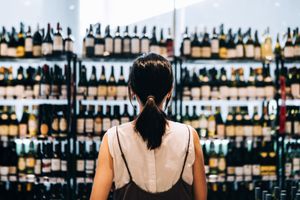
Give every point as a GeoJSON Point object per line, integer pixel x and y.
{"type": "Point", "coordinates": [288, 51]}
{"type": "Point", "coordinates": [220, 126]}
{"type": "Point", "coordinates": [55, 82]}
{"type": "Point", "coordinates": [13, 163]}
{"type": "Point", "coordinates": [32, 123]}
{"type": "Point", "coordinates": [89, 161]}
{"type": "Point", "coordinates": [135, 43]}
{"type": "Point", "coordinates": [240, 45]}
{"type": "Point", "coordinates": [92, 84]}
{"type": "Point", "coordinates": [98, 121]}
{"type": "Point", "coordinates": [211, 128]}
{"type": "Point", "coordinates": [37, 43]}
{"type": "Point", "coordinates": [221, 161]}
{"type": "Point", "coordinates": [213, 159]}
{"type": "Point", "coordinates": [163, 44]}
{"type": "Point", "coordinates": [267, 52]}
{"type": "Point", "coordinates": [249, 46]}
{"type": "Point", "coordinates": [63, 161]}
{"type": "Point", "coordinates": [89, 121]}
{"type": "Point", "coordinates": [214, 84]}
{"type": "Point", "coordinates": [233, 90]}
{"type": "Point", "coordinates": [117, 43]}
{"type": "Point", "coordinates": [69, 43]}
{"type": "Point", "coordinates": [37, 80]}
{"type": "Point", "coordinates": [206, 46]}
{"type": "Point", "coordinates": [22, 162]}
{"type": "Point", "coordinates": [38, 160]}
{"type": "Point", "coordinates": [5, 122]}
{"type": "Point", "coordinates": [107, 119]}
{"type": "Point", "coordinates": [13, 124]}
{"type": "Point", "coordinates": [241, 85]}
{"type": "Point", "coordinates": [223, 82]}
{"type": "Point", "coordinates": [126, 48]}
{"type": "Point", "coordinates": [125, 117]}
{"type": "Point", "coordinates": [194, 120]}
{"type": "Point", "coordinates": [222, 44]}
{"type": "Point", "coordinates": [29, 83]}
{"type": "Point", "coordinates": [44, 122]}
{"type": "Point", "coordinates": [229, 124]}
{"type": "Point", "coordinates": [154, 46]}
{"type": "Point", "coordinates": [257, 47]}
{"type": "Point", "coordinates": [81, 121]}
{"type": "Point", "coordinates": [20, 52]}
{"type": "Point", "coordinates": [297, 45]}
{"type": "Point", "coordinates": [58, 42]}
{"type": "Point", "coordinates": [82, 84]}
{"type": "Point", "coordinates": [63, 123]}
{"type": "Point", "coordinates": [20, 84]}
{"type": "Point", "coordinates": [195, 86]}
{"type": "Point", "coordinates": [47, 44]}
{"type": "Point", "coordinates": [45, 83]}
{"type": "Point", "coordinates": [259, 84]}
{"type": "Point", "coordinates": [54, 122]}
{"type": "Point", "coordinates": [231, 47]}
{"type": "Point", "coordinates": [102, 85]}
{"type": "Point", "coordinates": [145, 42]}
{"type": "Point", "coordinates": [99, 42]}
{"type": "Point", "coordinates": [251, 88]}
{"type": "Point", "coordinates": [108, 42]}
{"type": "Point", "coordinates": [186, 44]}
{"type": "Point", "coordinates": [10, 87]}
{"type": "Point", "coordinates": [205, 86]}
{"type": "Point", "coordinates": [122, 86]}
{"type": "Point", "coordinates": [170, 44]}
{"type": "Point", "coordinates": [80, 161]}
{"type": "Point", "coordinates": [90, 43]}
{"type": "Point", "coordinates": [214, 45]}
{"type": "Point", "coordinates": [111, 85]}
{"type": "Point", "coordinates": [56, 161]}
{"type": "Point", "coordinates": [12, 44]}
{"type": "Point", "coordinates": [23, 125]}
{"type": "Point", "coordinates": [115, 121]}
{"type": "Point", "coordinates": [46, 160]}
{"type": "Point", "coordinates": [3, 43]}
{"type": "Point", "coordinates": [203, 124]}
{"type": "Point", "coordinates": [196, 46]}
{"type": "Point", "coordinates": [30, 159]}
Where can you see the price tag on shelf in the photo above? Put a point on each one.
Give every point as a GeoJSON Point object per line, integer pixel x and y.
{"type": "Point", "coordinates": [4, 178]}
{"type": "Point", "coordinates": [80, 180]}
{"type": "Point", "coordinates": [230, 178]}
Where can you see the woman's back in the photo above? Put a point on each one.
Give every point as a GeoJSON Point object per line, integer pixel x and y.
{"type": "Point", "coordinates": [153, 170]}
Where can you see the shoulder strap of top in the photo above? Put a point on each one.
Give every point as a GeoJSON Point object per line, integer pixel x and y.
{"type": "Point", "coordinates": [187, 152]}
{"type": "Point", "coordinates": [123, 156]}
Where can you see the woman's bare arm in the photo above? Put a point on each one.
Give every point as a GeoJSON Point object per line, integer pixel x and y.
{"type": "Point", "coordinates": [104, 173]}
{"type": "Point", "coordinates": [200, 189]}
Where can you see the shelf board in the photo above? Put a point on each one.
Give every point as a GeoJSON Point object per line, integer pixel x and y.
{"type": "Point", "coordinates": [34, 60]}
{"type": "Point", "coordinates": [219, 61]}
{"type": "Point", "coordinates": [104, 102]}
{"type": "Point", "coordinates": [9, 102]}
{"type": "Point", "coordinates": [107, 60]}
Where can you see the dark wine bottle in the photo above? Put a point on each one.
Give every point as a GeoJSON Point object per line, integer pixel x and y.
{"type": "Point", "coordinates": [90, 43]}
{"type": "Point", "coordinates": [47, 45]}
{"type": "Point", "coordinates": [58, 42]}
{"type": "Point", "coordinates": [99, 42]}
{"type": "Point", "coordinates": [126, 45]}
{"type": "Point", "coordinates": [135, 43]}
{"type": "Point", "coordinates": [117, 43]}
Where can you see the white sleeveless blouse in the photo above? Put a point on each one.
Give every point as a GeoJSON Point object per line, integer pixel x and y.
{"type": "Point", "coordinates": [152, 170]}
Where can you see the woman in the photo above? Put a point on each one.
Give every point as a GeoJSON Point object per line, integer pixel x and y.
{"type": "Point", "coordinates": [151, 157]}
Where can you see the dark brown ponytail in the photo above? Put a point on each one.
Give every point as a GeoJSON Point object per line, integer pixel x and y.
{"type": "Point", "coordinates": [151, 80]}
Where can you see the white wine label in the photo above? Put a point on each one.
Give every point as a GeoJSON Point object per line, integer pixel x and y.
{"type": "Point", "coordinates": [37, 51]}
{"type": "Point", "coordinates": [233, 92]}
{"type": "Point", "coordinates": [196, 92]}
{"type": "Point", "coordinates": [117, 45]}
{"type": "Point", "coordinates": [55, 164]}
{"type": "Point", "coordinates": [89, 125]}
{"type": "Point", "coordinates": [32, 125]}
{"type": "Point", "coordinates": [229, 130]}
{"type": "Point", "coordinates": [47, 48]}
{"type": "Point", "coordinates": [45, 89]}
{"type": "Point", "coordinates": [80, 165]}
{"type": "Point", "coordinates": [288, 169]}
{"type": "Point", "coordinates": [20, 91]}
{"type": "Point", "coordinates": [46, 165]}
{"type": "Point", "coordinates": [124, 120]}
{"type": "Point", "coordinates": [80, 126]}
{"type": "Point", "coordinates": [154, 49]}
{"type": "Point", "coordinates": [90, 164]}
{"type": "Point", "coordinates": [4, 170]}
{"type": "Point", "coordinates": [36, 90]}
{"type": "Point", "coordinates": [231, 53]}
{"type": "Point", "coordinates": [81, 90]}
{"type": "Point", "coordinates": [248, 130]}
{"type": "Point", "coordinates": [28, 45]}
{"type": "Point", "coordinates": [99, 49]}
{"type": "Point", "coordinates": [12, 52]}
{"type": "Point", "coordinates": [115, 122]}
{"type": "Point", "coordinates": [89, 42]}
{"type": "Point", "coordinates": [3, 49]}
{"type": "Point", "coordinates": [215, 46]}
{"type": "Point", "coordinates": [257, 53]}
{"type": "Point", "coordinates": [206, 52]}
{"type": "Point", "coordinates": [196, 52]}
{"type": "Point", "coordinates": [22, 130]}
{"type": "Point", "coordinates": [247, 170]}
{"type": "Point", "coordinates": [297, 127]}
{"type": "Point", "coordinates": [4, 130]}
{"type": "Point", "coordinates": [222, 164]}
{"type": "Point", "coordinates": [288, 52]}
{"type": "Point", "coordinates": [58, 43]}
{"type": "Point", "coordinates": [2, 92]}
{"type": "Point", "coordinates": [224, 92]}
{"type": "Point", "coordinates": [251, 92]}
{"type": "Point", "coordinates": [10, 91]}
{"type": "Point", "coordinates": [239, 130]}
{"type": "Point", "coordinates": [106, 124]}
{"type": "Point", "coordinates": [242, 92]}
{"type": "Point", "coordinates": [260, 92]}
{"type": "Point", "coordinates": [239, 171]}
{"type": "Point", "coordinates": [215, 93]}
{"type": "Point", "coordinates": [38, 166]}
{"type": "Point", "coordinates": [13, 130]}
{"type": "Point", "coordinates": [122, 91]}
{"type": "Point", "coordinates": [250, 51]}
{"type": "Point", "coordinates": [186, 47]}
{"type": "Point", "coordinates": [221, 130]}
{"type": "Point", "coordinates": [205, 91]}
{"type": "Point", "coordinates": [92, 91]}
{"type": "Point", "coordinates": [126, 46]}
{"type": "Point", "coordinates": [135, 46]}
{"type": "Point", "coordinates": [295, 90]}
{"type": "Point", "coordinates": [266, 131]}
{"type": "Point", "coordinates": [63, 165]}
{"type": "Point", "coordinates": [69, 46]}
{"type": "Point", "coordinates": [63, 124]}
{"type": "Point", "coordinates": [240, 51]}
{"type": "Point", "coordinates": [297, 50]}
{"type": "Point", "coordinates": [288, 127]}
{"type": "Point", "coordinates": [145, 46]}
{"type": "Point", "coordinates": [108, 45]}
{"type": "Point", "coordinates": [257, 130]}
{"type": "Point", "coordinates": [269, 92]}
{"type": "Point", "coordinates": [211, 126]}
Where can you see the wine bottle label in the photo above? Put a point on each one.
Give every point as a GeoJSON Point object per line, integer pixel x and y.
{"type": "Point", "coordinates": [154, 49]}
{"type": "Point", "coordinates": [4, 170]}
{"type": "Point", "coordinates": [12, 170]}
{"type": "Point", "coordinates": [260, 92]}
{"type": "Point", "coordinates": [222, 164]}
{"type": "Point", "coordinates": [239, 51]}
{"type": "Point", "coordinates": [205, 91]}
{"type": "Point", "coordinates": [80, 126]}
{"type": "Point", "coordinates": [206, 52]}
{"type": "Point", "coordinates": [3, 49]}
{"type": "Point", "coordinates": [269, 92]}
{"type": "Point", "coordinates": [115, 122]}
{"type": "Point", "coordinates": [98, 126]}
{"type": "Point", "coordinates": [81, 90]}
{"type": "Point", "coordinates": [288, 169]}
{"type": "Point", "coordinates": [12, 52]}
{"type": "Point", "coordinates": [247, 170]}
{"type": "Point", "coordinates": [21, 164]}
{"type": "Point", "coordinates": [122, 91]}
{"type": "Point", "coordinates": [296, 164]}
{"type": "Point", "coordinates": [230, 130]}
{"type": "Point", "coordinates": [295, 90]}
{"type": "Point", "coordinates": [99, 49]}
{"type": "Point", "coordinates": [30, 162]}
{"type": "Point", "coordinates": [297, 127]}
{"type": "Point", "coordinates": [80, 165]}
{"type": "Point", "coordinates": [2, 91]}
{"type": "Point", "coordinates": [46, 165]}
{"type": "Point", "coordinates": [4, 130]}
{"type": "Point", "coordinates": [196, 52]}
{"type": "Point", "coordinates": [135, 46]}
{"type": "Point", "coordinates": [102, 91]}
{"type": "Point", "coordinates": [32, 127]}
{"type": "Point", "coordinates": [89, 125]}
{"type": "Point", "coordinates": [257, 130]}
{"type": "Point", "coordinates": [55, 90]}
{"type": "Point", "coordinates": [106, 124]}
{"type": "Point", "coordinates": [251, 92]}
{"type": "Point", "coordinates": [37, 51]}
{"type": "Point", "coordinates": [186, 47]}
{"type": "Point", "coordinates": [36, 90]}
{"type": "Point", "coordinates": [221, 130]}
{"type": "Point", "coordinates": [20, 90]}
{"type": "Point", "coordinates": [213, 162]}
{"type": "Point", "coordinates": [126, 45]}
{"type": "Point", "coordinates": [90, 165]}
{"type": "Point", "coordinates": [117, 45]}
{"type": "Point", "coordinates": [38, 167]}
{"type": "Point", "coordinates": [69, 46]}
{"type": "Point", "coordinates": [45, 89]}
{"type": "Point", "coordinates": [248, 130]}
{"type": "Point", "coordinates": [239, 171]}
{"type": "Point", "coordinates": [230, 170]}
{"type": "Point", "coordinates": [256, 170]}
{"type": "Point", "coordinates": [92, 91]}
{"type": "Point", "coordinates": [44, 129]}
{"type": "Point", "coordinates": [223, 52]}
{"type": "Point", "coordinates": [108, 45]}
{"type": "Point", "coordinates": [28, 45]}
{"type": "Point", "coordinates": [64, 92]}
{"type": "Point", "coordinates": [266, 131]}
{"type": "Point", "coordinates": [28, 92]}
{"type": "Point", "coordinates": [215, 46]}
{"type": "Point", "coordinates": [23, 130]}
{"type": "Point", "coordinates": [58, 43]}
{"type": "Point", "coordinates": [211, 127]}
{"type": "Point", "coordinates": [20, 51]}
{"type": "Point", "coordinates": [89, 42]}
{"type": "Point", "coordinates": [288, 127]}
{"type": "Point", "coordinates": [224, 92]}
{"type": "Point", "coordinates": [10, 91]}
{"type": "Point", "coordinates": [55, 124]}
{"type": "Point", "coordinates": [47, 48]}
{"type": "Point", "coordinates": [63, 165]}
{"type": "Point", "coordinates": [233, 91]}
{"type": "Point", "coordinates": [111, 91]}
{"type": "Point", "coordinates": [186, 93]}
{"type": "Point", "coordinates": [206, 168]}
{"type": "Point", "coordinates": [195, 124]}
{"type": "Point", "coordinates": [231, 53]}
{"type": "Point", "coordinates": [145, 44]}
{"type": "Point", "coordinates": [196, 92]}
{"type": "Point", "coordinates": [124, 120]}
{"type": "Point", "coordinates": [163, 51]}
{"type": "Point", "coordinates": [239, 130]}
{"type": "Point", "coordinates": [63, 125]}
{"type": "Point", "coordinates": [249, 51]}
{"type": "Point", "coordinates": [214, 92]}
{"type": "Point", "coordinates": [55, 164]}
{"type": "Point", "coordinates": [257, 53]}
{"type": "Point", "coordinates": [288, 52]}
{"type": "Point", "coordinates": [242, 92]}
{"type": "Point", "coordinates": [13, 130]}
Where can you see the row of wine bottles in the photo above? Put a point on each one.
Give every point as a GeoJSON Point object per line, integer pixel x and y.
{"type": "Point", "coordinates": [38, 160]}
{"type": "Point", "coordinates": [292, 160]}
{"type": "Point", "coordinates": [21, 44]}
{"type": "Point", "coordinates": [95, 45]}
{"type": "Point", "coordinates": [238, 45]}
{"type": "Point", "coordinates": [41, 83]}
{"type": "Point", "coordinates": [44, 121]}
{"type": "Point", "coordinates": [242, 161]}
{"type": "Point", "coordinates": [214, 84]}
{"type": "Point", "coordinates": [33, 191]}
{"type": "Point", "coordinates": [102, 88]}
{"type": "Point", "coordinates": [290, 192]}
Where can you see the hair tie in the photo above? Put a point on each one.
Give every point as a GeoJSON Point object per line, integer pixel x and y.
{"type": "Point", "coordinates": [150, 97]}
